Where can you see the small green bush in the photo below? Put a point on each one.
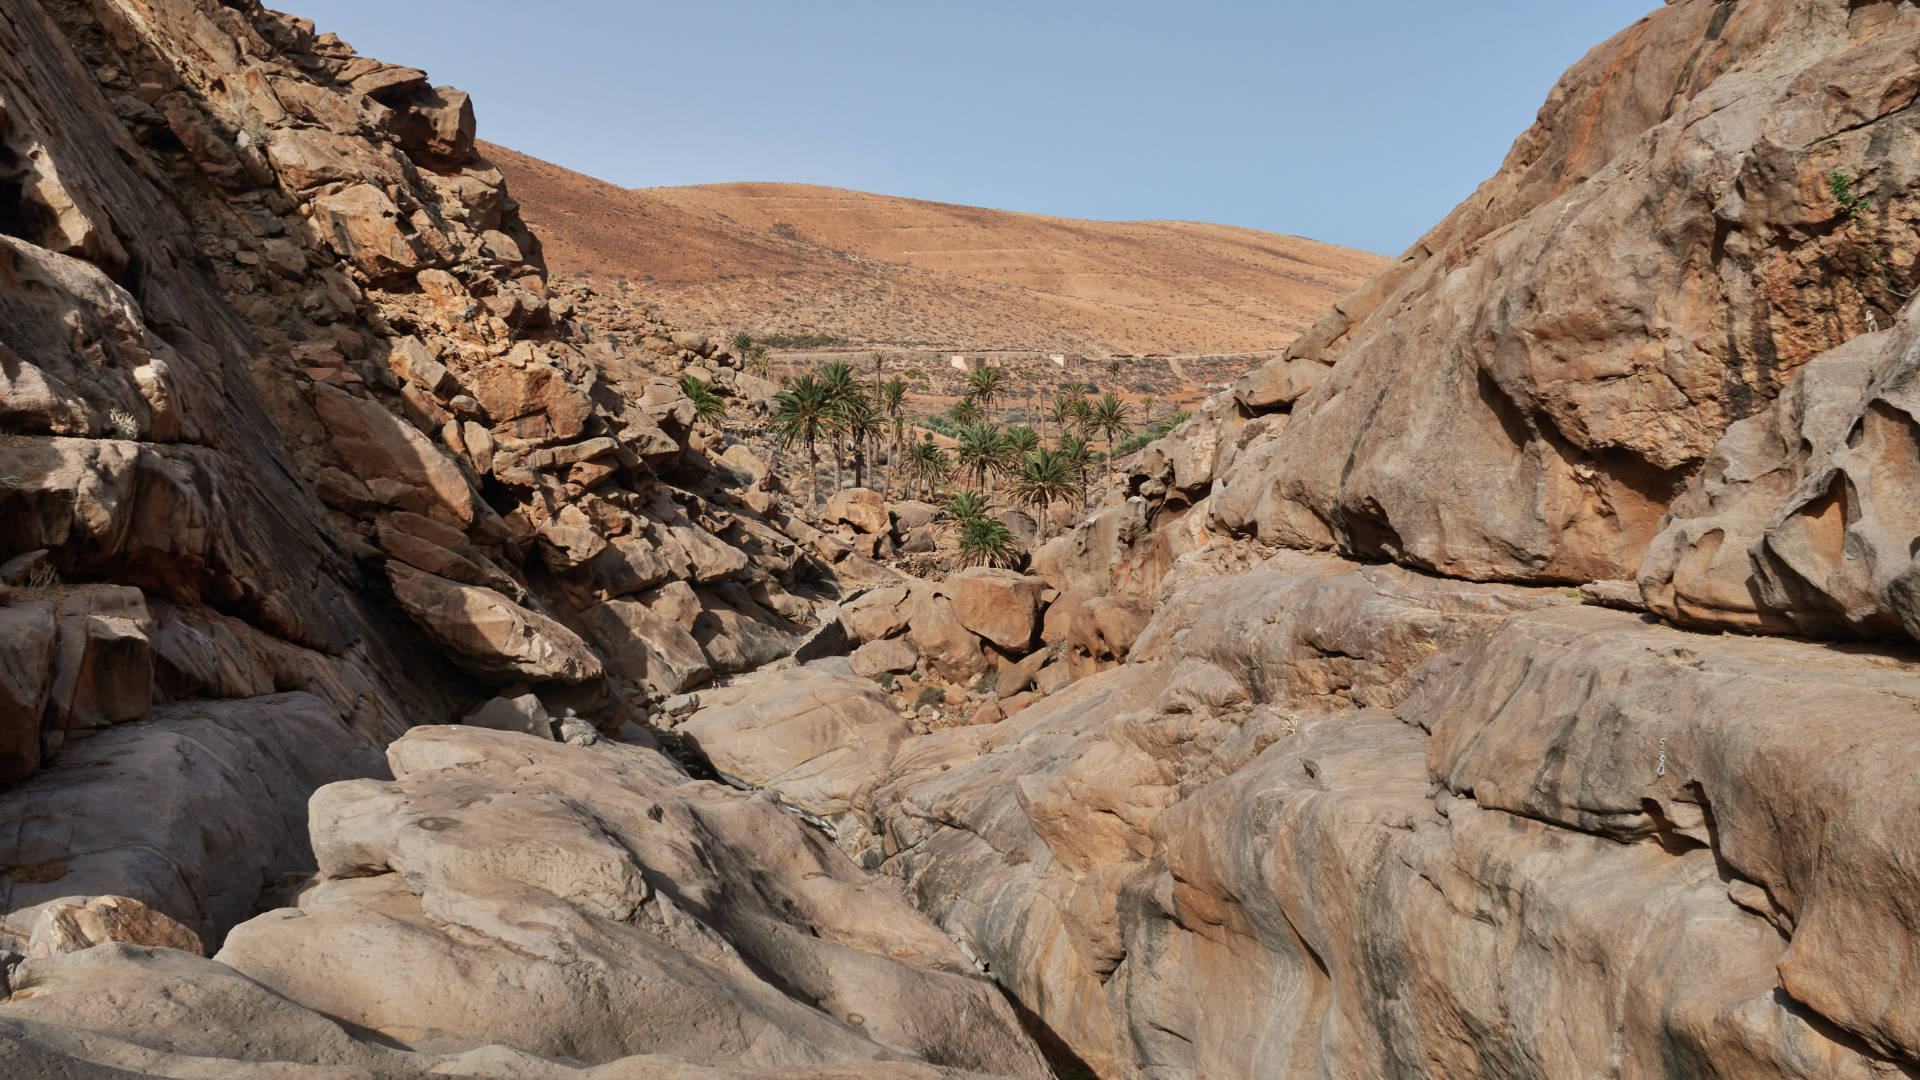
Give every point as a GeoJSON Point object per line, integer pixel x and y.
{"type": "Point", "coordinates": [1840, 186]}
{"type": "Point", "coordinates": [986, 683]}
{"type": "Point", "coordinates": [929, 695]}
{"type": "Point", "coordinates": [886, 680]}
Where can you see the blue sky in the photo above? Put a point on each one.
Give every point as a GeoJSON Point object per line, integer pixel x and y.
{"type": "Point", "coordinates": [1359, 124]}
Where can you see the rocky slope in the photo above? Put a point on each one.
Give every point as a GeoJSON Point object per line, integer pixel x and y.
{"type": "Point", "coordinates": [881, 270]}
{"type": "Point", "coordinates": [297, 453]}
{"type": "Point", "coordinates": [1300, 757]}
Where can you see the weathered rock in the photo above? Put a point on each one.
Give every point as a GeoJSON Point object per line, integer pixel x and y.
{"type": "Point", "coordinates": [147, 810]}
{"type": "Point", "coordinates": [878, 613]}
{"type": "Point", "coordinates": [646, 649]}
{"type": "Point", "coordinates": [816, 739]}
{"type": "Point", "coordinates": [663, 906]}
{"type": "Point", "coordinates": [103, 665]}
{"type": "Point", "coordinates": [861, 508]}
{"type": "Point", "coordinates": [896, 655]}
{"type": "Point", "coordinates": [382, 448]}
{"type": "Point", "coordinates": [1492, 358]}
{"type": "Point", "coordinates": [27, 637]}
{"type": "Point", "coordinates": [524, 714]}
{"type": "Point", "coordinates": [1278, 383]}
{"type": "Point", "coordinates": [1802, 520]}
{"type": "Point", "coordinates": [910, 515]}
{"type": "Point", "coordinates": [828, 639]}
{"type": "Point", "coordinates": [490, 634]}
{"type": "Point", "coordinates": [64, 926]}
{"type": "Point", "coordinates": [948, 646]}
{"type": "Point", "coordinates": [999, 605]}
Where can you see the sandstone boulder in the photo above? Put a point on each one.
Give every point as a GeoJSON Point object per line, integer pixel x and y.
{"type": "Point", "coordinates": [816, 739]}
{"type": "Point", "coordinates": [64, 926]}
{"type": "Point", "coordinates": [860, 508]}
{"type": "Point", "coordinates": [999, 605]}
{"type": "Point", "coordinates": [27, 637]}
{"type": "Point", "coordinates": [1802, 520]}
{"type": "Point", "coordinates": [523, 713]}
{"type": "Point", "coordinates": [662, 907]}
{"type": "Point", "coordinates": [896, 655]}
{"type": "Point", "coordinates": [147, 810]}
{"type": "Point", "coordinates": [392, 456]}
{"type": "Point", "coordinates": [490, 634]}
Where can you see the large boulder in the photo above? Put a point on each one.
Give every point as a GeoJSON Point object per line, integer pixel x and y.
{"type": "Point", "coordinates": [895, 655]}
{"type": "Point", "coordinates": [648, 649]}
{"type": "Point", "coordinates": [27, 636]}
{"type": "Point", "coordinates": [399, 464]}
{"type": "Point", "coordinates": [999, 605]}
{"type": "Point", "coordinates": [590, 903]}
{"type": "Point", "coordinates": [860, 508]}
{"type": "Point", "coordinates": [489, 634]}
{"type": "Point", "coordinates": [816, 738]}
{"type": "Point", "coordinates": [189, 811]}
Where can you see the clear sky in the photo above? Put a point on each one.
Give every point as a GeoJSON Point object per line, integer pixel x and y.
{"type": "Point", "coordinates": [1359, 124]}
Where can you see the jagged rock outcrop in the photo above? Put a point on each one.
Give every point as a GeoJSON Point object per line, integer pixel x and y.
{"type": "Point", "coordinates": [1525, 393]}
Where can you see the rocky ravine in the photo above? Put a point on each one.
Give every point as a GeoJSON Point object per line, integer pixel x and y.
{"type": "Point", "coordinates": [1304, 758]}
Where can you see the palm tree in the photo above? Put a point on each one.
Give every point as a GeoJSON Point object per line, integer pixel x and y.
{"type": "Point", "coordinates": [801, 414]}
{"type": "Point", "coordinates": [986, 542]}
{"type": "Point", "coordinates": [1045, 475]}
{"type": "Point", "coordinates": [742, 344]}
{"type": "Point", "coordinates": [965, 411]}
{"type": "Point", "coordinates": [926, 464]}
{"type": "Point", "coordinates": [860, 421]}
{"type": "Point", "coordinates": [982, 450]}
{"type": "Point", "coordinates": [984, 384]}
{"type": "Point", "coordinates": [1021, 440]}
{"type": "Point", "coordinates": [1074, 449]}
{"type": "Point", "coordinates": [968, 505]}
{"type": "Point", "coordinates": [706, 404]}
{"type": "Point", "coordinates": [893, 397]}
{"type": "Point", "coordinates": [1083, 416]}
{"type": "Point", "coordinates": [757, 359]}
{"type": "Point", "coordinates": [1109, 417]}
{"type": "Point", "coordinates": [840, 385]}
{"type": "Point", "coordinates": [1060, 411]}
{"type": "Point", "coordinates": [879, 359]}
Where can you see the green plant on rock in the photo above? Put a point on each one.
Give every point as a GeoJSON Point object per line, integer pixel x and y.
{"type": "Point", "coordinates": [1840, 186]}
{"type": "Point", "coordinates": [986, 683]}
{"type": "Point", "coordinates": [929, 695]}
{"type": "Point", "coordinates": [707, 405]}
{"type": "Point", "coordinates": [886, 681]}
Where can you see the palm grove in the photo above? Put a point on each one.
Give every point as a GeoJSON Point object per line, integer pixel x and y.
{"type": "Point", "coordinates": [853, 420]}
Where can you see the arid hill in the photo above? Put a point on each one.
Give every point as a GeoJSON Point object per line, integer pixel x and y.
{"type": "Point", "coordinates": [874, 269]}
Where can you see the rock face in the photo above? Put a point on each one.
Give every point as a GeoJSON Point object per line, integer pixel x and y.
{"type": "Point", "coordinates": [1658, 256]}
{"type": "Point", "coordinates": [1801, 521]}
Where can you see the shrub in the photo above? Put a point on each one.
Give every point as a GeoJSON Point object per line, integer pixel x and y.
{"type": "Point", "coordinates": [122, 424]}
{"type": "Point", "coordinates": [1840, 186]}
{"type": "Point", "coordinates": [929, 695]}
{"type": "Point", "coordinates": [886, 680]}
{"type": "Point", "coordinates": [986, 683]}
{"type": "Point", "coordinates": [801, 341]}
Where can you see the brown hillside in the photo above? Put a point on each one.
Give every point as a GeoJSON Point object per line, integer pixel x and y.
{"type": "Point", "coordinates": [873, 269]}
